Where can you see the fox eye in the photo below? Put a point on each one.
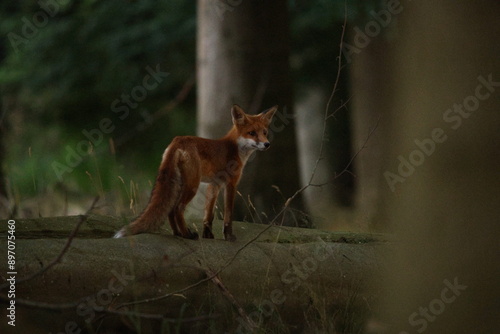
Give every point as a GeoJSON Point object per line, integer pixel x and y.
{"type": "Point", "coordinates": [252, 133]}
{"type": "Point", "coordinates": [264, 132]}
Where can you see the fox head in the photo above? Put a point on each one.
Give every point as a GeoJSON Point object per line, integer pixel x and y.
{"type": "Point", "coordinates": [252, 129]}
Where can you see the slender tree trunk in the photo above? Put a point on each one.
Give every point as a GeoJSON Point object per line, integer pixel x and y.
{"type": "Point", "coordinates": [310, 114]}
{"type": "Point", "coordinates": [372, 95]}
{"type": "Point", "coordinates": [329, 204]}
{"type": "Point", "coordinates": [243, 51]}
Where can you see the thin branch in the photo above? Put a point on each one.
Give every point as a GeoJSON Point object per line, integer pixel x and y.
{"type": "Point", "coordinates": [43, 305]}
{"type": "Point", "coordinates": [160, 316]}
{"type": "Point", "coordinates": [339, 69]}
{"type": "Point", "coordinates": [63, 306]}
{"type": "Point", "coordinates": [210, 276]}
{"type": "Point", "coordinates": [225, 291]}
{"type": "Point", "coordinates": [178, 99]}
{"type": "Point", "coordinates": [83, 218]}
{"type": "Point", "coordinates": [346, 168]}
{"type": "Point", "coordinates": [175, 293]}
{"type": "Point", "coordinates": [343, 105]}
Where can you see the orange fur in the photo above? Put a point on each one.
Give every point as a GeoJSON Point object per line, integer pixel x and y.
{"type": "Point", "coordinates": [189, 160]}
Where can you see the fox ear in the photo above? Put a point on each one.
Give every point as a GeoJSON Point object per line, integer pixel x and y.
{"type": "Point", "coordinates": [269, 113]}
{"type": "Point", "coordinates": [238, 115]}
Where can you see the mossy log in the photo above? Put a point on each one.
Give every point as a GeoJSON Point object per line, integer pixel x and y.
{"type": "Point", "coordinates": [276, 279]}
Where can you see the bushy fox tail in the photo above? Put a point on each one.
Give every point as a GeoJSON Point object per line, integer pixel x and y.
{"type": "Point", "coordinates": [164, 198]}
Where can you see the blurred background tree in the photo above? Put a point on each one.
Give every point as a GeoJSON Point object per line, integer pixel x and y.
{"type": "Point", "coordinates": [243, 53]}
{"type": "Point", "coordinates": [71, 67]}
{"type": "Point", "coordinates": [445, 214]}
{"type": "Point", "coordinates": [67, 72]}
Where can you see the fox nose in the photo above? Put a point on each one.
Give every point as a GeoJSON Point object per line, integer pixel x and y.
{"type": "Point", "coordinates": [267, 144]}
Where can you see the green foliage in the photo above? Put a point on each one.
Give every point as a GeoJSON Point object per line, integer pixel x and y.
{"type": "Point", "coordinates": [90, 52]}
{"type": "Point", "coordinates": [65, 64]}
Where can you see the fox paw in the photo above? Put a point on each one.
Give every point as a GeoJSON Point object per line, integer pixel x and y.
{"type": "Point", "coordinates": [229, 237]}
{"type": "Point", "coordinates": [207, 233]}
{"type": "Point", "coordinates": [192, 235]}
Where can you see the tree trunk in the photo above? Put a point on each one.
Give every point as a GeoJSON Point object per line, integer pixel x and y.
{"type": "Point", "coordinates": [285, 278]}
{"type": "Point", "coordinates": [372, 95]}
{"type": "Point", "coordinates": [320, 201]}
{"type": "Point", "coordinates": [444, 207]}
{"type": "Point", "coordinates": [243, 50]}
{"type": "Point", "coordinates": [330, 204]}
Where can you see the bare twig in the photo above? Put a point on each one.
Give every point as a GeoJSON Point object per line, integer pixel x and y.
{"type": "Point", "coordinates": [210, 276]}
{"type": "Point", "coordinates": [178, 99]}
{"type": "Point", "coordinates": [160, 316]}
{"type": "Point", "coordinates": [218, 282]}
{"type": "Point", "coordinates": [43, 305]}
{"type": "Point", "coordinates": [342, 105]}
{"type": "Point", "coordinates": [175, 293]}
{"type": "Point", "coordinates": [346, 168]}
{"type": "Point", "coordinates": [339, 69]}
{"type": "Point", "coordinates": [83, 218]}
{"type": "Point", "coordinates": [64, 306]}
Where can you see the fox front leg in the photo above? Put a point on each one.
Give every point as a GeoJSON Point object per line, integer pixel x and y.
{"type": "Point", "coordinates": [229, 194]}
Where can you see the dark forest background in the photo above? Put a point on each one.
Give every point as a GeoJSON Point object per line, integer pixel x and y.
{"type": "Point", "coordinates": [410, 138]}
{"type": "Point", "coordinates": [77, 120]}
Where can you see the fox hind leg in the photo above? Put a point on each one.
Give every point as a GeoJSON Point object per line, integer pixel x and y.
{"type": "Point", "coordinates": [178, 213]}
{"type": "Point", "coordinates": [173, 223]}
{"type": "Point", "coordinates": [211, 198]}
{"type": "Point", "coordinates": [191, 177]}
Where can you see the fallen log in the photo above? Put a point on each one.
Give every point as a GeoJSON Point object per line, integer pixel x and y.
{"type": "Point", "coordinates": [72, 277]}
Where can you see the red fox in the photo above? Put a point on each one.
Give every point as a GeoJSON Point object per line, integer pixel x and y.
{"type": "Point", "coordinates": [189, 160]}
